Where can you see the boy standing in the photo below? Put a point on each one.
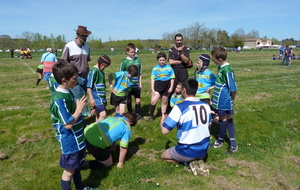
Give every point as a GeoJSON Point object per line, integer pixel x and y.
{"type": "Point", "coordinates": [223, 99]}
{"type": "Point", "coordinates": [67, 121]}
{"type": "Point", "coordinates": [96, 87]}
{"type": "Point", "coordinates": [121, 87]}
{"type": "Point", "coordinates": [205, 78]}
{"type": "Point", "coordinates": [136, 88]}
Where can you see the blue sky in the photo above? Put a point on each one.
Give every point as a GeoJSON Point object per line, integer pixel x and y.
{"type": "Point", "coordinates": [133, 19]}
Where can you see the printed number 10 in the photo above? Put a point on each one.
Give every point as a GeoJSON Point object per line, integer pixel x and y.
{"type": "Point", "coordinates": [201, 116]}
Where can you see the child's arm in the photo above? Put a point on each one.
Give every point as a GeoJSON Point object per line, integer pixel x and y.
{"type": "Point", "coordinates": [171, 86]}
{"type": "Point", "coordinates": [140, 82]}
{"type": "Point", "coordinates": [111, 87]}
{"type": "Point", "coordinates": [122, 156]}
{"type": "Point", "coordinates": [233, 94]}
{"type": "Point", "coordinates": [92, 100]}
{"type": "Point", "coordinates": [152, 85]}
{"type": "Point", "coordinates": [79, 107]}
{"type": "Point", "coordinates": [209, 89]}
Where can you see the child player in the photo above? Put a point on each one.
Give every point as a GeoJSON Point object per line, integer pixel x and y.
{"type": "Point", "coordinates": [223, 99]}
{"type": "Point", "coordinates": [67, 121]}
{"type": "Point", "coordinates": [121, 87]}
{"type": "Point", "coordinates": [205, 78]}
{"type": "Point", "coordinates": [162, 81]}
{"type": "Point", "coordinates": [176, 97]}
{"type": "Point", "coordinates": [96, 87]}
{"type": "Point", "coordinates": [131, 59]}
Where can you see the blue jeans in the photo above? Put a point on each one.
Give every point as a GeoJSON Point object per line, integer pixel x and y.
{"type": "Point", "coordinates": [286, 59]}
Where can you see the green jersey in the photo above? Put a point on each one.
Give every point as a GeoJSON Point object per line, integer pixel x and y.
{"type": "Point", "coordinates": [124, 67]}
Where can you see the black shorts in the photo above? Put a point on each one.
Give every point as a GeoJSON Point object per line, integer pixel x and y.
{"type": "Point", "coordinates": [99, 153]}
{"type": "Point", "coordinates": [39, 71]}
{"type": "Point", "coordinates": [162, 87]}
{"type": "Point", "coordinates": [116, 100]}
{"type": "Point", "coordinates": [135, 93]}
{"type": "Point", "coordinates": [181, 75]}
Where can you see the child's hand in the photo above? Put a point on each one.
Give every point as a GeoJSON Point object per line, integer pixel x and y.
{"type": "Point", "coordinates": [120, 165]}
{"type": "Point", "coordinates": [92, 101]}
{"type": "Point", "coordinates": [81, 102]}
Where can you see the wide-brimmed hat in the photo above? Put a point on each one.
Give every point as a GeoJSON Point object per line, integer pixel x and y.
{"type": "Point", "coordinates": [83, 31]}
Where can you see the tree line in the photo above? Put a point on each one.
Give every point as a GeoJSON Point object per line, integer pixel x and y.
{"type": "Point", "coordinates": [195, 36]}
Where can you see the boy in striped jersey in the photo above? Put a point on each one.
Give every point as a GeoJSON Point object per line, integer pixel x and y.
{"type": "Point", "coordinates": [223, 99]}
{"type": "Point", "coordinates": [131, 59]}
{"type": "Point", "coordinates": [192, 118]}
{"type": "Point", "coordinates": [68, 124]}
{"type": "Point", "coordinates": [96, 87]}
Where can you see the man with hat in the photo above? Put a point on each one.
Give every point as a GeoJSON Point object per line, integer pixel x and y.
{"type": "Point", "coordinates": [77, 52]}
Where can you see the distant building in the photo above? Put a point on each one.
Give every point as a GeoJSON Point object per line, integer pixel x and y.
{"type": "Point", "coordinates": [254, 43]}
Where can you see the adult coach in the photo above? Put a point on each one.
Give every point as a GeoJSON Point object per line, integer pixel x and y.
{"type": "Point", "coordinates": [178, 57]}
{"type": "Point", "coordinates": [287, 56]}
{"type": "Point", "coordinates": [77, 52]}
{"type": "Point", "coordinates": [192, 118]}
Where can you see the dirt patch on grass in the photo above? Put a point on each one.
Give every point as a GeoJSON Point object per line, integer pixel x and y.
{"type": "Point", "coordinates": [3, 155]}
{"type": "Point", "coordinates": [10, 108]}
{"type": "Point", "coordinates": [23, 139]}
{"type": "Point", "coordinates": [148, 154]}
{"type": "Point", "coordinates": [261, 96]}
{"type": "Point", "coordinates": [256, 175]}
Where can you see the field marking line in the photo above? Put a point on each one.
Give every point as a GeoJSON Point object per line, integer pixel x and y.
{"type": "Point", "coordinates": [269, 79]}
{"type": "Point", "coordinates": [27, 65]}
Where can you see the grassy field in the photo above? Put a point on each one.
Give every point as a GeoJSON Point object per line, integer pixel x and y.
{"type": "Point", "coordinates": [266, 118]}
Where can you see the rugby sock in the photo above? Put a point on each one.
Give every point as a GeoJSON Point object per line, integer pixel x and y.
{"type": "Point", "coordinates": [77, 179]}
{"type": "Point", "coordinates": [231, 131]}
{"type": "Point", "coordinates": [152, 108]}
{"type": "Point", "coordinates": [65, 185]}
{"type": "Point", "coordinates": [95, 164]}
{"type": "Point", "coordinates": [129, 107]}
{"type": "Point", "coordinates": [222, 132]}
{"type": "Point", "coordinates": [138, 109]}
{"type": "Point", "coordinates": [38, 81]}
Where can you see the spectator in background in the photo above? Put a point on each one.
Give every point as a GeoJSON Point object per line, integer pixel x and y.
{"type": "Point", "coordinates": [287, 55]}
{"type": "Point", "coordinates": [48, 59]}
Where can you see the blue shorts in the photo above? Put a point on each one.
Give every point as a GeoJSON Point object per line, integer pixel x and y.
{"type": "Point", "coordinates": [47, 76]}
{"type": "Point", "coordinates": [222, 113]}
{"type": "Point", "coordinates": [99, 108]}
{"type": "Point", "coordinates": [72, 161]}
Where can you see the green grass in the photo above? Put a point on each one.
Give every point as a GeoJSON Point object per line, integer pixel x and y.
{"type": "Point", "coordinates": [266, 119]}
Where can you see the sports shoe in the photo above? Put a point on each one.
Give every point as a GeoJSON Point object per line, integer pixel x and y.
{"type": "Point", "coordinates": [216, 145]}
{"type": "Point", "coordinates": [232, 150]}
{"type": "Point", "coordinates": [90, 188]}
{"type": "Point", "coordinates": [151, 118]}
{"type": "Point", "coordinates": [199, 168]}
{"type": "Point", "coordinates": [139, 117]}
